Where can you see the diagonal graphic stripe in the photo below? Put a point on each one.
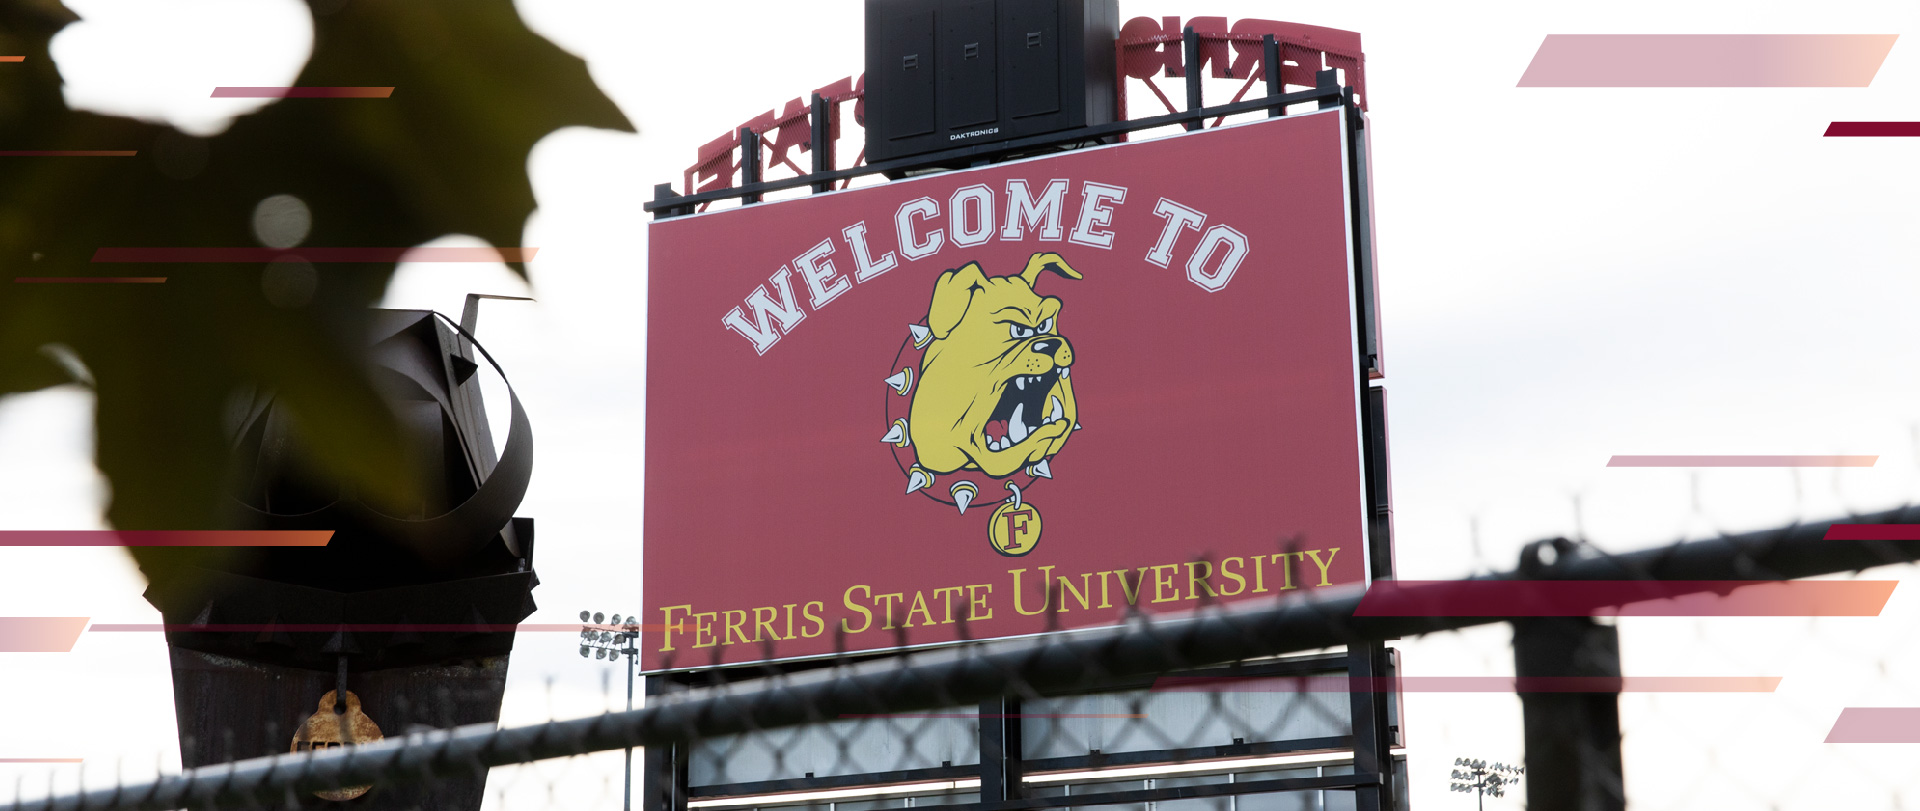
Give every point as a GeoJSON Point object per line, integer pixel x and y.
{"type": "Point", "coordinates": [252, 255]}
{"type": "Point", "coordinates": [89, 279]}
{"type": "Point", "coordinates": [1625, 598]}
{"type": "Point", "coordinates": [187, 537]}
{"type": "Point", "coordinates": [1873, 129]}
{"type": "Point", "coordinates": [1467, 684]}
{"type": "Point", "coordinates": [1707, 60]}
{"type": "Point", "coordinates": [40, 634]}
{"type": "Point", "coordinates": [1873, 532]}
{"type": "Point", "coordinates": [1742, 461]}
{"type": "Point", "coordinates": [68, 153]}
{"type": "Point", "coordinates": [302, 92]}
{"type": "Point", "coordinates": [1876, 725]}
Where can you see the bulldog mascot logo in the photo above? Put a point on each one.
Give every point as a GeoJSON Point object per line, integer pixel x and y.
{"type": "Point", "coordinates": [982, 395]}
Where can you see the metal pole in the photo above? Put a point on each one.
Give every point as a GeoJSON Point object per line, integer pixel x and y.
{"type": "Point", "coordinates": [628, 794]}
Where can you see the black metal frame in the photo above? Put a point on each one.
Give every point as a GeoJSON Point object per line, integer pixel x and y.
{"type": "Point", "coordinates": [753, 187]}
{"type": "Point", "coordinates": [1000, 769]}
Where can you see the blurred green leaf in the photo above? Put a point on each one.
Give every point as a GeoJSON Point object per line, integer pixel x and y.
{"type": "Point", "coordinates": [446, 153]}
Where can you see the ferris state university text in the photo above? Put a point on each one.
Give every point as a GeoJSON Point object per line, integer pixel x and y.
{"type": "Point", "coordinates": [922, 226]}
{"type": "Point", "coordinates": [1033, 592]}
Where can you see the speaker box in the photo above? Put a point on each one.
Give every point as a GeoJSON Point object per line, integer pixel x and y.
{"type": "Point", "coordinates": [949, 73]}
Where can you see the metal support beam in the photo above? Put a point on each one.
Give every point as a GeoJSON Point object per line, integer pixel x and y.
{"type": "Point", "coordinates": [821, 141]}
{"type": "Point", "coordinates": [749, 163]}
{"type": "Point", "coordinates": [1270, 62]}
{"type": "Point", "coordinates": [1001, 771]}
{"type": "Point", "coordinates": [1190, 59]}
{"type": "Point", "coordinates": [1573, 739]}
{"type": "Point", "coordinates": [1328, 81]}
{"type": "Point", "coordinates": [1372, 740]}
{"type": "Point", "coordinates": [663, 192]}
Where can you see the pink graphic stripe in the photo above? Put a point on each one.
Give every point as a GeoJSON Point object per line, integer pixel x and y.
{"type": "Point", "coordinates": [221, 255]}
{"type": "Point", "coordinates": [1742, 461]}
{"type": "Point", "coordinates": [1468, 684]}
{"type": "Point", "coordinates": [1873, 129]}
{"type": "Point", "coordinates": [89, 279]}
{"type": "Point", "coordinates": [68, 153]}
{"type": "Point", "coordinates": [40, 634]}
{"type": "Point", "coordinates": [302, 92]}
{"type": "Point", "coordinates": [1707, 60]}
{"type": "Point", "coordinates": [1625, 598]}
{"type": "Point", "coordinates": [355, 627]}
{"type": "Point", "coordinates": [189, 537]}
{"type": "Point", "coordinates": [1876, 725]}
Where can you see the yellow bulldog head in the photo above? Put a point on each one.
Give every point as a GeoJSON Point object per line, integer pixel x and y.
{"type": "Point", "coordinates": [994, 393]}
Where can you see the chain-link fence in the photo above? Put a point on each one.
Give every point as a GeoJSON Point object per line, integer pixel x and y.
{"type": "Point", "coordinates": [1242, 708]}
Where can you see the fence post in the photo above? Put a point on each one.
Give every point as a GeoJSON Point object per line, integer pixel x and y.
{"type": "Point", "coordinates": [1573, 739]}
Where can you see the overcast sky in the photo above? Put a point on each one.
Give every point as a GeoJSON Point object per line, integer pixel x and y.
{"type": "Point", "coordinates": [1566, 274]}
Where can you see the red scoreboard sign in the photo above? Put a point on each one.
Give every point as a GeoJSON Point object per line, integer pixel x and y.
{"type": "Point", "coordinates": [986, 403]}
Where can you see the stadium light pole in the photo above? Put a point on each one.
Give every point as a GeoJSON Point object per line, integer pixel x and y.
{"type": "Point", "coordinates": [1483, 778]}
{"type": "Point", "coordinates": [609, 640]}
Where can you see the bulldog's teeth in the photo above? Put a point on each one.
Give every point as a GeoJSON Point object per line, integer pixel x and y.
{"type": "Point", "coordinates": [1041, 470]}
{"type": "Point", "coordinates": [1016, 424]}
{"type": "Point", "coordinates": [1058, 412]}
{"type": "Point", "coordinates": [1066, 371]}
{"type": "Point", "coordinates": [1076, 426]}
{"type": "Point", "coordinates": [897, 435]}
{"type": "Point", "coordinates": [1020, 382]}
{"type": "Point", "coordinates": [901, 381]}
{"type": "Point", "coordinates": [918, 480]}
{"type": "Point", "coordinates": [922, 335]}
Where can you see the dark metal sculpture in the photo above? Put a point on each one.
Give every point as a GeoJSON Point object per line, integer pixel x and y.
{"type": "Point", "coordinates": [411, 607]}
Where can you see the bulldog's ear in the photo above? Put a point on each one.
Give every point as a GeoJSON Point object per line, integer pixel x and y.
{"type": "Point", "coordinates": [951, 296]}
{"type": "Point", "coordinates": [1047, 261]}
